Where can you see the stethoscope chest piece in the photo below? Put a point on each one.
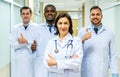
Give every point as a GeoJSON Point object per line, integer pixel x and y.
{"type": "Point", "coordinates": [56, 50]}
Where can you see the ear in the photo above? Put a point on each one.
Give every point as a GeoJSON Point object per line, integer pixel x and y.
{"type": "Point", "coordinates": [102, 16]}
{"type": "Point", "coordinates": [55, 13]}
{"type": "Point", "coordinates": [89, 16]}
{"type": "Point", "coordinates": [21, 14]}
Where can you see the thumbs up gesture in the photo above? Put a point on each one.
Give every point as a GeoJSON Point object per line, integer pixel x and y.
{"type": "Point", "coordinates": [33, 46]}
{"type": "Point", "coordinates": [86, 36]}
{"type": "Point", "coordinates": [22, 40]}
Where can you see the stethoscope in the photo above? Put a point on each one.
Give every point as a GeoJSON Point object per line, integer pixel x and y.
{"type": "Point", "coordinates": [70, 45]}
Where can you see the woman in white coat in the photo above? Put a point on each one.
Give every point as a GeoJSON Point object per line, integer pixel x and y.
{"type": "Point", "coordinates": [64, 53]}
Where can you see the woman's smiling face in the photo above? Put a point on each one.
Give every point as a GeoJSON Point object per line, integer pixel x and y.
{"type": "Point", "coordinates": [63, 26]}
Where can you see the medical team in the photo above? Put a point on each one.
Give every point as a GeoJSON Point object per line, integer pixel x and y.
{"type": "Point", "coordinates": [50, 50]}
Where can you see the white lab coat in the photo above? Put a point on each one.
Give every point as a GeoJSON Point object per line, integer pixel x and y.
{"type": "Point", "coordinates": [66, 67]}
{"type": "Point", "coordinates": [44, 37]}
{"type": "Point", "coordinates": [99, 53]}
{"type": "Point", "coordinates": [24, 58]}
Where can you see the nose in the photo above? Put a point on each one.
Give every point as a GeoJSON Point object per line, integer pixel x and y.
{"type": "Point", "coordinates": [95, 16]}
{"type": "Point", "coordinates": [49, 12]}
{"type": "Point", "coordinates": [63, 25]}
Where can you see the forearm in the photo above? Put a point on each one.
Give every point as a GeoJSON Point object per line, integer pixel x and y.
{"type": "Point", "coordinates": [16, 45]}
{"type": "Point", "coordinates": [68, 64]}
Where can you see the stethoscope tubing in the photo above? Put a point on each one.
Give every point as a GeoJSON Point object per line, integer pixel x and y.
{"type": "Point", "coordinates": [56, 48]}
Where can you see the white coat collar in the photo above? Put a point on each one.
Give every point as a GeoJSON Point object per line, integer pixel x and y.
{"type": "Point", "coordinates": [47, 27]}
{"type": "Point", "coordinates": [65, 41]}
{"type": "Point", "coordinates": [90, 28]}
{"type": "Point", "coordinates": [27, 24]}
{"type": "Point", "coordinates": [67, 37]}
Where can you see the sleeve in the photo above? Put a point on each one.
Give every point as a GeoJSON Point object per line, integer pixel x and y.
{"type": "Point", "coordinates": [38, 41]}
{"type": "Point", "coordinates": [47, 51]}
{"type": "Point", "coordinates": [81, 33]}
{"type": "Point", "coordinates": [72, 63]}
{"type": "Point", "coordinates": [36, 36]}
{"type": "Point", "coordinates": [113, 57]}
{"type": "Point", "coordinates": [29, 45]}
{"type": "Point", "coordinates": [14, 40]}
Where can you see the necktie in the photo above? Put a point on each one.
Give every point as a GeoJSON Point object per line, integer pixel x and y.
{"type": "Point", "coordinates": [50, 28]}
{"type": "Point", "coordinates": [25, 26]}
{"type": "Point", "coordinates": [96, 30]}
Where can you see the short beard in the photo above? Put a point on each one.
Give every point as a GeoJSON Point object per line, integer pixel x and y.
{"type": "Point", "coordinates": [96, 23]}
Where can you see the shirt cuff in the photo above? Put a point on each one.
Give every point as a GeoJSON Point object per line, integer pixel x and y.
{"type": "Point", "coordinates": [115, 75]}
{"type": "Point", "coordinates": [29, 45]}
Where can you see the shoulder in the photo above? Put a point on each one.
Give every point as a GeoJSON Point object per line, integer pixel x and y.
{"type": "Point", "coordinates": [76, 39]}
{"type": "Point", "coordinates": [51, 41]}
{"type": "Point", "coordinates": [108, 30]}
{"type": "Point", "coordinates": [83, 29]}
{"type": "Point", "coordinates": [41, 26]}
{"type": "Point", "coordinates": [34, 24]}
{"type": "Point", "coordinates": [17, 26]}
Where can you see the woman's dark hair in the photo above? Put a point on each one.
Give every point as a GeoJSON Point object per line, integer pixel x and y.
{"type": "Point", "coordinates": [61, 15]}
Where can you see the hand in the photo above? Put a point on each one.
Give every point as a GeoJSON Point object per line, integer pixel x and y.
{"type": "Point", "coordinates": [22, 40]}
{"type": "Point", "coordinates": [75, 56]}
{"type": "Point", "coordinates": [86, 36]}
{"type": "Point", "coordinates": [51, 61]}
{"type": "Point", "coordinates": [33, 46]}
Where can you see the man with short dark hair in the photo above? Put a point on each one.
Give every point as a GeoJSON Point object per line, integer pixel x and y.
{"type": "Point", "coordinates": [23, 36]}
{"type": "Point", "coordinates": [46, 32]}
